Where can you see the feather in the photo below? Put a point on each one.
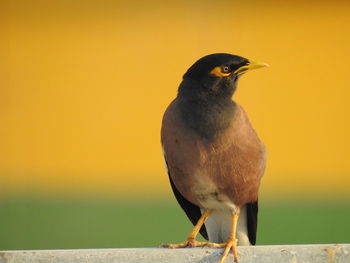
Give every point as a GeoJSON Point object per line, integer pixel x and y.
{"type": "Point", "coordinates": [252, 221]}
{"type": "Point", "coordinates": [192, 211]}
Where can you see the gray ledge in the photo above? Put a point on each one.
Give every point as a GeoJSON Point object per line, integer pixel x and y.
{"type": "Point", "coordinates": [333, 253]}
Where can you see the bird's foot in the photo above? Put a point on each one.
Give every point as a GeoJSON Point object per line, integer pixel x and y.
{"type": "Point", "coordinates": [216, 245]}
{"type": "Point", "coordinates": [190, 242]}
{"type": "Point", "coordinates": [230, 244]}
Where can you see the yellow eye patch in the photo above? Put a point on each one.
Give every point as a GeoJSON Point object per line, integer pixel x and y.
{"type": "Point", "coordinates": [217, 71]}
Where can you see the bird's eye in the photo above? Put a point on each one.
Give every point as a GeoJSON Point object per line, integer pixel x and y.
{"type": "Point", "coordinates": [225, 69]}
{"type": "Point", "coordinates": [221, 71]}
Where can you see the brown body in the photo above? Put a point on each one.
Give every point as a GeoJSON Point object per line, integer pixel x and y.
{"type": "Point", "coordinates": [218, 174]}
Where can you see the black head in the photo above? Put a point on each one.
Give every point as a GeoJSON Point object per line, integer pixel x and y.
{"type": "Point", "coordinates": [205, 94]}
{"type": "Point", "coordinates": [218, 65]}
{"type": "Point", "coordinates": [220, 71]}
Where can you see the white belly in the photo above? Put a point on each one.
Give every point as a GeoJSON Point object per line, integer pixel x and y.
{"type": "Point", "coordinates": [209, 196]}
{"type": "Point", "coordinates": [219, 225]}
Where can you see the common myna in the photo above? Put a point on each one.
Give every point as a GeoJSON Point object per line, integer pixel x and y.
{"type": "Point", "coordinates": [214, 157]}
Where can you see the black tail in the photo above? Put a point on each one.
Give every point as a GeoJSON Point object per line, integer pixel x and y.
{"type": "Point", "coordinates": [252, 221]}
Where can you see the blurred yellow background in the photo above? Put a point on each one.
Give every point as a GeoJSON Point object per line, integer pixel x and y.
{"type": "Point", "coordinates": [84, 85]}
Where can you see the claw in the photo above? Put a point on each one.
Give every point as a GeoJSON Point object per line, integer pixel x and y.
{"type": "Point", "coordinates": [230, 244]}
{"type": "Point", "coordinates": [193, 243]}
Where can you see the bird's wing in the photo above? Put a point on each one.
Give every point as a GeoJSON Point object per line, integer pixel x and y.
{"type": "Point", "coordinates": [192, 211]}
{"type": "Point", "coordinates": [252, 221]}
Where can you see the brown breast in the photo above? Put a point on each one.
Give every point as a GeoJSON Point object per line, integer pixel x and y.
{"type": "Point", "coordinates": [229, 166]}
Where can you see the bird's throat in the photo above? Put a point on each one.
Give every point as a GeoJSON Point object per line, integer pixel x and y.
{"type": "Point", "coordinates": [207, 116]}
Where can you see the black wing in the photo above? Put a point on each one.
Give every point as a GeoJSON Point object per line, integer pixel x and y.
{"type": "Point", "coordinates": [252, 221]}
{"type": "Point", "coordinates": [192, 211]}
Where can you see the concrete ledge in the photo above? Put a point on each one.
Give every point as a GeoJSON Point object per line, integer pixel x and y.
{"type": "Point", "coordinates": [258, 254]}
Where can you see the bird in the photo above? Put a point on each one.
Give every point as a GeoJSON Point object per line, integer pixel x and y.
{"type": "Point", "coordinates": [214, 157]}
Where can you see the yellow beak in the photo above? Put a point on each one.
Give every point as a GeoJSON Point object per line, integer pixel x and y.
{"type": "Point", "coordinates": [251, 65]}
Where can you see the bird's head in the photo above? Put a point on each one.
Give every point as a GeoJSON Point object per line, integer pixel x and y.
{"type": "Point", "coordinates": [218, 73]}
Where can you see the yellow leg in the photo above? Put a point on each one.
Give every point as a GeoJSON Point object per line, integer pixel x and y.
{"type": "Point", "coordinates": [231, 243]}
{"type": "Point", "coordinates": [191, 238]}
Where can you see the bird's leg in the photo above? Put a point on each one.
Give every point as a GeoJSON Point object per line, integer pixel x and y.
{"type": "Point", "coordinates": [191, 238]}
{"type": "Point", "coordinates": [231, 243]}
